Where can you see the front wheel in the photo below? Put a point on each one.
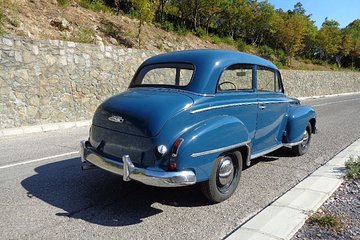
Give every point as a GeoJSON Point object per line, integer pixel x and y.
{"type": "Point", "coordinates": [303, 147]}
{"type": "Point", "coordinates": [224, 178]}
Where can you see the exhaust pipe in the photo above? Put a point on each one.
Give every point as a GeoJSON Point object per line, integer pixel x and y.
{"type": "Point", "coordinates": [88, 167]}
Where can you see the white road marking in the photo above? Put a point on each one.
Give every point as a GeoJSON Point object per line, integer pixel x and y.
{"type": "Point", "coordinates": [330, 103]}
{"type": "Point", "coordinates": [38, 160]}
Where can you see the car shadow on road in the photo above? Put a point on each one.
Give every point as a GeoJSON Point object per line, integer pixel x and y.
{"type": "Point", "coordinates": [103, 198]}
{"type": "Point", "coordinates": [271, 157]}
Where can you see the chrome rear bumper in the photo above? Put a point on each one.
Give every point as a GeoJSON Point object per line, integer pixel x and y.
{"type": "Point", "coordinates": [130, 172]}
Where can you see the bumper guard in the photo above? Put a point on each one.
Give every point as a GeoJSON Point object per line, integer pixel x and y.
{"type": "Point", "coordinates": [130, 172]}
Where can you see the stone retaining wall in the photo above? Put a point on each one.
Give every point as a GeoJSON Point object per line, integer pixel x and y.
{"type": "Point", "coordinates": [300, 83]}
{"type": "Point", "coordinates": [55, 81]}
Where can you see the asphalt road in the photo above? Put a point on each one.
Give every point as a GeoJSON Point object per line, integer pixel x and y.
{"type": "Point", "coordinates": [45, 195]}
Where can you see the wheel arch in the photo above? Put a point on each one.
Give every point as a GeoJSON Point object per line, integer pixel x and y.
{"type": "Point", "coordinates": [298, 118]}
{"type": "Point", "coordinates": [204, 143]}
{"type": "Point", "coordinates": [313, 125]}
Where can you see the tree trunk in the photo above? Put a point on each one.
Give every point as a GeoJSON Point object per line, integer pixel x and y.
{"type": "Point", "coordinates": [162, 12]}
{"type": "Point", "coordinates": [338, 60]}
{"type": "Point", "coordinates": [139, 33]}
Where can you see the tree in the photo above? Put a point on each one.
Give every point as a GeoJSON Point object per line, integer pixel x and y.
{"type": "Point", "coordinates": [145, 10]}
{"type": "Point", "coordinates": [211, 10]}
{"type": "Point", "coordinates": [190, 11]}
{"type": "Point", "coordinates": [291, 31]}
{"type": "Point", "coordinates": [161, 10]}
{"type": "Point", "coordinates": [329, 39]}
{"type": "Point", "coordinates": [353, 32]}
{"type": "Point", "coordinates": [234, 18]}
{"type": "Point", "coordinates": [299, 9]}
{"type": "Point", "coordinates": [257, 20]}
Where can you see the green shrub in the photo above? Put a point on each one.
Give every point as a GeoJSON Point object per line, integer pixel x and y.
{"type": "Point", "coordinates": [353, 167]}
{"type": "Point", "coordinates": [110, 30]}
{"type": "Point", "coordinates": [63, 3]}
{"type": "Point", "coordinates": [95, 5]}
{"type": "Point", "coordinates": [200, 32]}
{"type": "Point", "coordinates": [168, 26]}
{"type": "Point", "coordinates": [326, 220]}
{"type": "Point", "coordinates": [229, 41]}
{"type": "Point", "coordinates": [267, 52]}
{"type": "Point", "coordinates": [241, 45]}
{"type": "Point", "coordinates": [280, 65]}
{"type": "Point", "coordinates": [215, 39]}
{"type": "Point", "coordinates": [85, 35]}
{"type": "Point", "coordinates": [182, 30]}
{"type": "Point", "coordinates": [2, 18]}
{"type": "Point", "coordinates": [281, 56]}
{"type": "Point", "coordinates": [318, 62]}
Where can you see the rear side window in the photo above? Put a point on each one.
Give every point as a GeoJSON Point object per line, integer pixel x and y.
{"type": "Point", "coordinates": [267, 80]}
{"type": "Point", "coordinates": [171, 74]}
{"type": "Point", "coordinates": [236, 78]}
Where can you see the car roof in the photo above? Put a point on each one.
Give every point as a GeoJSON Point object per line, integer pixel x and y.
{"type": "Point", "coordinates": [209, 64]}
{"type": "Point", "coordinates": [216, 56]}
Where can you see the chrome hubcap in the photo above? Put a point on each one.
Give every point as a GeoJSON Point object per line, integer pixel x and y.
{"type": "Point", "coordinates": [226, 171]}
{"type": "Point", "coordinates": [305, 139]}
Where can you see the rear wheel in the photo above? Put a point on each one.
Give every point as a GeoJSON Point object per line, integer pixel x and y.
{"type": "Point", "coordinates": [224, 178]}
{"type": "Point", "coordinates": [303, 147]}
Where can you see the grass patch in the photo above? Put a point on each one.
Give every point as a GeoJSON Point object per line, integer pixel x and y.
{"type": "Point", "coordinates": [353, 167]}
{"type": "Point", "coordinates": [95, 5]}
{"type": "Point", "coordinates": [85, 35]}
{"type": "Point", "coordinates": [326, 220]}
{"type": "Point", "coordinates": [63, 3]}
{"type": "Point", "coordinates": [2, 17]}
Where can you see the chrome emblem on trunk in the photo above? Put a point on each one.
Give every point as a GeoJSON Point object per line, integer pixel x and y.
{"type": "Point", "coordinates": [116, 119]}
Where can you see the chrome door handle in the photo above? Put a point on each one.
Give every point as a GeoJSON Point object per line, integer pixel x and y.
{"type": "Point", "coordinates": [262, 107]}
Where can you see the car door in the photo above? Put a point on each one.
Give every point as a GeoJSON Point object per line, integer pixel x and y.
{"type": "Point", "coordinates": [272, 107]}
{"type": "Point", "coordinates": [236, 93]}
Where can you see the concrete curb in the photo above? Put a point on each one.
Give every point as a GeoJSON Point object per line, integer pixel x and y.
{"type": "Point", "coordinates": [43, 128]}
{"type": "Point", "coordinates": [326, 96]}
{"type": "Point", "coordinates": [284, 217]}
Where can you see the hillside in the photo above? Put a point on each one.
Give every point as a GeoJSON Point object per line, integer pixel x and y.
{"type": "Point", "coordinates": [47, 19]}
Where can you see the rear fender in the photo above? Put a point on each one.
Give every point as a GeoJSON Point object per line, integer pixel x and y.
{"type": "Point", "coordinates": [207, 140]}
{"type": "Point", "coordinates": [298, 118]}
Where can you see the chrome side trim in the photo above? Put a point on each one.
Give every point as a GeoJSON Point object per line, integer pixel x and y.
{"type": "Point", "coordinates": [221, 106]}
{"type": "Point", "coordinates": [266, 151]}
{"type": "Point", "coordinates": [275, 148]}
{"type": "Point", "coordinates": [235, 105]}
{"type": "Point", "coordinates": [270, 102]}
{"type": "Point", "coordinates": [223, 149]}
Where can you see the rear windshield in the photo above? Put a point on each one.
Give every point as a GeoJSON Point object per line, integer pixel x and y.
{"type": "Point", "coordinates": [164, 75]}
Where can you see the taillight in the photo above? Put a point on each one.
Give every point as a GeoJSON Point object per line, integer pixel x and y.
{"type": "Point", "coordinates": [176, 147]}
{"type": "Point", "coordinates": [174, 153]}
{"type": "Point", "coordinates": [172, 166]}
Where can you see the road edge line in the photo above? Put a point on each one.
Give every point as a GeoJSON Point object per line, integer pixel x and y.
{"type": "Point", "coordinates": [38, 160]}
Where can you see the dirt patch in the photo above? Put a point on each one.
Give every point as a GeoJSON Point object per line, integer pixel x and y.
{"type": "Point", "coordinates": [45, 19]}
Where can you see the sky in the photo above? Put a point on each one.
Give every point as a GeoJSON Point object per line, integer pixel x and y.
{"type": "Point", "coordinates": [343, 11]}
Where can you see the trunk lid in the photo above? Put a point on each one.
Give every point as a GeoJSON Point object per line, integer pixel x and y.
{"type": "Point", "coordinates": [141, 112]}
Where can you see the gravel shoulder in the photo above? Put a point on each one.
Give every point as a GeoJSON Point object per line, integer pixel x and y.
{"type": "Point", "coordinates": [344, 204]}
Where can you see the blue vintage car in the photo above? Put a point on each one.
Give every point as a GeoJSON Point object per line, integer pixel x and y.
{"type": "Point", "coordinates": [196, 117]}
